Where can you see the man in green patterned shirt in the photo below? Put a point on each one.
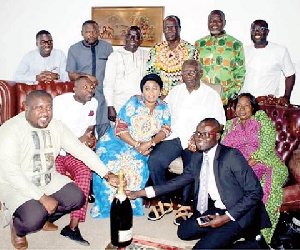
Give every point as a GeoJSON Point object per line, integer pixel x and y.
{"type": "Point", "coordinates": [222, 57]}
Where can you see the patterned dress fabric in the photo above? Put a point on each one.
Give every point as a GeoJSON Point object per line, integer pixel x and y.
{"type": "Point", "coordinates": [223, 62]}
{"type": "Point", "coordinates": [135, 118]}
{"type": "Point", "coordinates": [257, 140]}
{"type": "Point", "coordinates": [167, 63]}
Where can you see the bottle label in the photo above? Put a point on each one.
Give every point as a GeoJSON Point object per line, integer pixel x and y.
{"type": "Point", "coordinates": [125, 235]}
{"type": "Point", "coordinates": [121, 197]}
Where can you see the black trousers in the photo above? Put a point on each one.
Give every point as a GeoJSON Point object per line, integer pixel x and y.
{"type": "Point", "coordinates": [31, 216]}
{"type": "Point", "coordinates": [211, 238]}
{"type": "Point", "coordinates": [159, 160]}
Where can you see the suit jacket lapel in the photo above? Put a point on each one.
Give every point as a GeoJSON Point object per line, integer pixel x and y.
{"type": "Point", "coordinates": [216, 163]}
{"type": "Point", "coordinates": [197, 175]}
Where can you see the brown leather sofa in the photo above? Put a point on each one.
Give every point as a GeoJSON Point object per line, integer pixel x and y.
{"type": "Point", "coordinates": [287, 123]}
{"type": "Point", "coordinates": [13, 95]}
{"type": "Point", "coordinates": [286, 120]}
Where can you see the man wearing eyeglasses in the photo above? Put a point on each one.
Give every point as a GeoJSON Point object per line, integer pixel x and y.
{"type": "Point", "coordinates": [45, 64]}
{"type": "Point", "coordinates": [124, 71]}
{"type": "Point", "coordinates": [265, 62]}
{"type": "Point", "coordinates": [189, 103]}
{"type": "Point", "coordinates": [227, 194]}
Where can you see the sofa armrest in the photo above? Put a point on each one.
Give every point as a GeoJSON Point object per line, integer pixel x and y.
{"type": "Point", "coordinates": [8, 100]}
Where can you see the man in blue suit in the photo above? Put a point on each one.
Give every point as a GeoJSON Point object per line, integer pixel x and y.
{"type": "Point", "coordinates": [232, 199]}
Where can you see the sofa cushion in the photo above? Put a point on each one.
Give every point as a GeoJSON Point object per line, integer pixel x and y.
{"type": "Point", "coordinates": [55, 89]}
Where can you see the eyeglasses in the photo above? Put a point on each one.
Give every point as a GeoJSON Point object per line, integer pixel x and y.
{"type": "Point", "coordinates": [49, 42]}
{"type": "Point", "coordinates": [205, 135]}
{"type": "Point", "coordinates": [189, 72]}
{"type": "Point", "coordinates": [89, 87]}
{"type": "Point", "coordinates": [134, 37]}
{"type": "Point", "coordinates": [260, 29]}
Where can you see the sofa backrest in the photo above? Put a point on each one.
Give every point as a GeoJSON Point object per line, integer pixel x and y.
{"type": "Point", "coordinates": [13, 95]}
{"type": "Point", "coordinates": [54, 89]}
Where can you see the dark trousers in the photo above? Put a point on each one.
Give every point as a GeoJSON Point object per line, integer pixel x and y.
{"type": "Point", "coordinates": [31, 216]}
{"type": "Point", "coordinates": [159, 160]}
{"type": "Point", "coordinates": [211, 238]}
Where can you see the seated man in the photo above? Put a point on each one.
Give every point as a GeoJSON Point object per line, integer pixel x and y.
{"type": "Point", "coordinates": [265, 62]}
{"type": "Point", "coordinates": [226, 191]}
{"type": "Point", "coordinates": [78, 111]}
{"type": "Point", "coordinates": [189, 103]}
{"type": "Point", "coordinates": [30, 188]}
{"type": "Point", "coordinates": [44, 64]}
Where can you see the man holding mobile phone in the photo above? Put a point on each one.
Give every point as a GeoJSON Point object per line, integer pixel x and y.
{"type": "Point", "coordinates": [232, 204]}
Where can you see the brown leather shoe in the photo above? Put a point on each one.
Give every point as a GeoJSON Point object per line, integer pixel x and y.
{"type": "Point", "coordinates": [17, 241]}
{"type": "Point", "coordinates": [49, 226]}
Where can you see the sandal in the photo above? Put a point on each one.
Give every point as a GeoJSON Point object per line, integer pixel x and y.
{"type": "Point", "coordinates": [182, 214]}
{"type": "Point", "coordinates": [160, 210]}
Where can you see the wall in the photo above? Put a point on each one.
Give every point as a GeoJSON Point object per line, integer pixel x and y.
{"type": "Point", "coordinates": [21, 19]}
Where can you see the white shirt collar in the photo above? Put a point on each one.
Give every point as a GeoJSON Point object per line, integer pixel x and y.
{"type": "Point", "coordinates": [211, 153]}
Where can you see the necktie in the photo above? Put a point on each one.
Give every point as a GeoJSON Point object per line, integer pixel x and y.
{"type": "Point", "coordinates": [202, 203]}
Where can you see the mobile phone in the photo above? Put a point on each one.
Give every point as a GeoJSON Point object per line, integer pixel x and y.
{"type": "Point", "coordinates": [203, 219]}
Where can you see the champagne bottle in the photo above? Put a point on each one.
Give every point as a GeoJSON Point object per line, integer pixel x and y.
{"type": "Point", "coordinates": [121, 217]}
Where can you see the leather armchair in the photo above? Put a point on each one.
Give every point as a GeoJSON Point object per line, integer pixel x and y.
{"type": "Point", "coordinates": [13, 95]}
{"type": "Point", "coordinates": [287, 123]}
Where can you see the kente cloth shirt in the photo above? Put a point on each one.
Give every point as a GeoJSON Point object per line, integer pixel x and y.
{"type": "Point", "coordinates": [167, 63]}
{"type": "Point", "coordinates": [264, 67]}
{"type": "Point", "coordinates": [33, 64]}
{"type": "Point", "coordinates": [123, 74]}
{"type": "Point", "coordinates": [223, 62]}
{"type": "Point", "coordinates": [188, 109]}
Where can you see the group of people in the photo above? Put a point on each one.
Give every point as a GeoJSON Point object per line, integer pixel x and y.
{"type": "Point", "coordinates": [139, 110]}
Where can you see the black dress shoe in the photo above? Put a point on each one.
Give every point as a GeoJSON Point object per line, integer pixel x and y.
{"type": "Point", "coordinates": [74, 235]}
{"type": "Point", "coordinates": [91, 198]}
{"type": "Point", "coordinates": [260, 239]}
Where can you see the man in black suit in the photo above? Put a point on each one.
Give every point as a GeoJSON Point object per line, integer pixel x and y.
{"type": "Point", "coordinates": [233, 193]}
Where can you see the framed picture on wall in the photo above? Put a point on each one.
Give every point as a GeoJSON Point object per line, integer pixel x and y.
{"type": "Point", "coordinates": [114, 22]}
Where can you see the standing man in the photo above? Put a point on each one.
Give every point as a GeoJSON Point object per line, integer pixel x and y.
{"type": "Point", "coordinates": [226, 190]}
{"type": "Point", "coordinates": [265, 61]}
{"type": "Point", "coordinates": [30, 188]}
{"type": "Point", "coordinates": [166, 58]}
{"type": "Point", "coordinates": [45, 64]}
{"type": "Point", "coordinates": [125, 69]}
{"type": "Point", "coordinates": [89, 57]}
{"type": "Point", "coordinates": [189, 103]}
{"type": "Point", "coordinates": [222, 57]}
{"type": "Point", "coordinates": [80, 118]}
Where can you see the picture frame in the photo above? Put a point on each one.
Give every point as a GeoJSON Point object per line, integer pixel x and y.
{"type": "Point", "coordinates": [114, 22]}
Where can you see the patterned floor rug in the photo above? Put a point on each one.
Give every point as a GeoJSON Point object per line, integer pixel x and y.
{"type": "Point", "coordinates": [144, 242]}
